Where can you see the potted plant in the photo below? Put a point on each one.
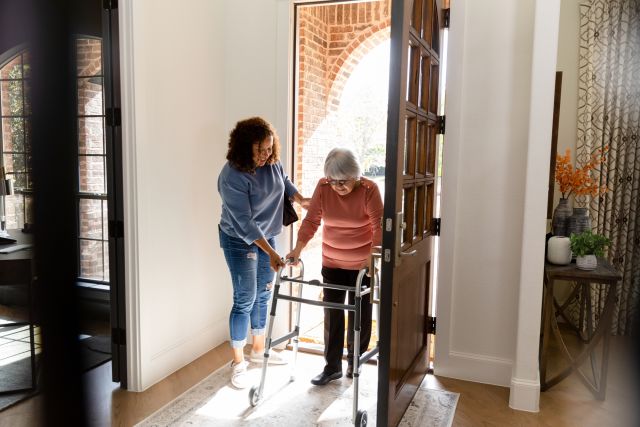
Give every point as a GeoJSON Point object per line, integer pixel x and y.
{"type": "Point", "coordinates": [587, 246]}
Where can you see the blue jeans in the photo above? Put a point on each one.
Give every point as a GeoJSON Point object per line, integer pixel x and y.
{"type": "Point", "coordinates": [250, 274]}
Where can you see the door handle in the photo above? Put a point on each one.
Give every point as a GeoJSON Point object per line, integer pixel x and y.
{"type": "Point", "coordinates": [400, 227]}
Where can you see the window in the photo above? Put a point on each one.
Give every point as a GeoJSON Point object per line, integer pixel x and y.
{"type": "Point", "coordinates": [15, 120]}
{"type": "Point", "coordinates": [92, 184]}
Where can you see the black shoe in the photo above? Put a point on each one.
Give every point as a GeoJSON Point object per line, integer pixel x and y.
{"type": "Point", "coordinates": [324, 378]}
{"type": "Point", "coordinates": [349, 371]}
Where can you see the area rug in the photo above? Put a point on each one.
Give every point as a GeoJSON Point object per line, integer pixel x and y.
{"type": "Point", "coordinates": [15, 363]}
{"type": "Point", "coordinates": [95, 351]}
{"type": "Point", "coordinates": [214, 402]}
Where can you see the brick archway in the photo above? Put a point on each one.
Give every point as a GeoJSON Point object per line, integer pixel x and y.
{"type": "Point", "coordinates": [350, 58]}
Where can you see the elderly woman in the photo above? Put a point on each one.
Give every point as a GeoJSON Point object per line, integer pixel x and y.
{"type": "Point", "coordinates": [252, 185]}
{"type": "Point", "coordinates": [350, 208]}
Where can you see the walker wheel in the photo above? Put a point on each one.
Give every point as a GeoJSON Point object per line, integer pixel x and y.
{"type": "Point", "coordinates": [361, 418]}
{"type": "Point", "coordinates": [254, 397]}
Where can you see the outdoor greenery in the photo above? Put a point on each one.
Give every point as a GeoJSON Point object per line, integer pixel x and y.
{"type": "Point", "coordinates": [588, 243]}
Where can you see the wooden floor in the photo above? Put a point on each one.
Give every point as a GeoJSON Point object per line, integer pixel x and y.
{"type": "Point", "coordinates": [567, 404]}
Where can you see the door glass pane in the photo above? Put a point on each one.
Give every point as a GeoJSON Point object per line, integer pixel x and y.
{"type": "Point", "coordinates": [421, 151]}
{"type": "Point", "coordinates": [403, 234]}
{"type": "Point", "coordinates": [91, 221]}
{"type": "Point", "coordinates": [91, 135]}
{"type": "Point", "coordinates": [425, 81]}
{"type": "Point", "coordinates": [90, 96]}
{"type": "Point", "coordinates": [91, 174]}
{"type": "Point", "coordinates": [408, 213]}
{"type": "Point", "coordinates": [420, 211]}
{"type": "Point", "coordinates": [432, 141]}
{"type": "Point", "coordinates": [426, 20]}
{"type": "Point", "coordinates": [433, 104]}
{"type": "Point", "coordinates": [414, 74]}
{"type": "Point", "coordinates": [89, 56]}
{"type": "Point", "coordinates": [91, 259]}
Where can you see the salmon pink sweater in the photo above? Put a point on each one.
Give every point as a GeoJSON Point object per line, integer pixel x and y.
{"type": "Point", "coordinates": [351, 223]}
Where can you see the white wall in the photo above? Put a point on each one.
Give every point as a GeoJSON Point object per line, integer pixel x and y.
{"type": "Point", "coordinates": [189, 73]}
{"type": "Point", "coordinates": [487, 108]}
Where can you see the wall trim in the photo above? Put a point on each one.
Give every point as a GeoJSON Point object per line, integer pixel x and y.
{"type": "Point", "coordinates": [525, 395]}
{"type": "Point", "coordinates": [481, 368]}
{"type": "Point", "coordinates": [130, 185]}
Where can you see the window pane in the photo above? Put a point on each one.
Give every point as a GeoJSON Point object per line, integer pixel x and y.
{"type": "Point", "coordinates": [15, 211]}
{"type": "Point", "coordinates": [27, 134]}
{"type": "Point", "coordinates": [91, 225]}
{"type": "Point", "coordinates": [91, 259]}
{"type": "Point", "coordinates": [14, 163]}
{"type": "Point", "coordinates": [26, 64]}
{"type": "Point", "coordinates": [12, 70]}
{"type": "Point", "coordinates": [27, 97]}
{"type": "Point", "coordinates": [105, 223]}
{"type": "Point", "coordinates": [105, 264]}
{"type": "Point", "coordinates": [20, 181]}
{"type": "Point", "coordinates": [90, 96]}
{"type": "Point", "coordinates": [11, 97]}
{"type": "Point", "coordinates": [90, 135]}
{"type": "Point", "coordinates": [89, 56]}
{"type": "Point", "coordinates": [13, 134]}
{"type": "Point", "coordinates": [28, 200]}
{"type": "Point", "coordinates": [92, 178]}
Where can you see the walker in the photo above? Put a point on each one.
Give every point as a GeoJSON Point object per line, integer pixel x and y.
{"type": "Point", "coordinates": [359, 417]}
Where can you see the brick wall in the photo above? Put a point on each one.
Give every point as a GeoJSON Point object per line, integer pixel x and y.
{"type": "Point", "coordinates": [332, 41]}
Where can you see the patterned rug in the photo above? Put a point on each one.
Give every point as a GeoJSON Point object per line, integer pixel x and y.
{"type": "Point", "coordinates": [214, 402]}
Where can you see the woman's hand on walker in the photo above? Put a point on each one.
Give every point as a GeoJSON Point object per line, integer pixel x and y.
{"type": "Point", "coordinates": [293, 257]}
{"type": "Point", "coordinates": [276, 261]}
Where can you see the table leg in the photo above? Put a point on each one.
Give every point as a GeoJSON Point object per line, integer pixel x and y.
{"type": "Point", "coordinates": [546, 334]}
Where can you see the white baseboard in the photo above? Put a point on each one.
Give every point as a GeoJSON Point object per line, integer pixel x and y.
{"type": "Point", "coordinates": [525, 395]}
{"type": "Point", "coordinates": [181, 353]}
{"type": "Point", "coordinates": [474, 367]}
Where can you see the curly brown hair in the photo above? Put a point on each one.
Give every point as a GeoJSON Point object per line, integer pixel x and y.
{"type": "Point", "coordinates": [242, 138]}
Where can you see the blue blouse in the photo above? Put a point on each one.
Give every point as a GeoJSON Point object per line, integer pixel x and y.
{"type": "Point", "coordinates": [252, 204]}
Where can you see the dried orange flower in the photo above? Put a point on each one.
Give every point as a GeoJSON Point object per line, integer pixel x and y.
{"type": "Point", "coordinates": [579, 181]}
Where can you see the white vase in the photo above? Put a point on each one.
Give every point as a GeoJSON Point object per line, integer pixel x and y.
{"type": "Point", "coordinates": [559, 250]}
{"type": "Point", "coordinates": [587, 262]}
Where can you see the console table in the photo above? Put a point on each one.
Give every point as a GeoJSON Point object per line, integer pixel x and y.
{"type": "Point", "coordinates": [606, 277]}
{"type": "Point", "coordinates": [16, 268]}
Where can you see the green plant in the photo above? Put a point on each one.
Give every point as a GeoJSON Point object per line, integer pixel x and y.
{"type": "Point", "coordinates": [587, 243]}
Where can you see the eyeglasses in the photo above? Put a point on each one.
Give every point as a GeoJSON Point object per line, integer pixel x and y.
{"type": "Point", "coordinates": [338, 182]}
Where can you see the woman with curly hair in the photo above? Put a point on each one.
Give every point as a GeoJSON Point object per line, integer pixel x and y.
{"type": "Point", "coordinates": [252, 185]}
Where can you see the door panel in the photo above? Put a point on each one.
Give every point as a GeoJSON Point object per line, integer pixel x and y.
{"type": "Point", "coordinates": [409, 203]}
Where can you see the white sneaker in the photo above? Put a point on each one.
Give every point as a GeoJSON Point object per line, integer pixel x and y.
{"type": "Point", "coordinates": [274, 358]}
{"type": "Point", "coordinates": [239, 376]}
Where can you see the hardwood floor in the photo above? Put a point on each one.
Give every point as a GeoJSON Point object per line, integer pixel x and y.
{"type": "Point", "coordinates": [569, 403]}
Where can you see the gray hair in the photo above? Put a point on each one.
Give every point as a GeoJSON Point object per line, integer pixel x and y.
{"type": "Point", "coordinates": [341, 163]}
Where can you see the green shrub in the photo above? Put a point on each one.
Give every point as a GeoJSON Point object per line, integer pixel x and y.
{"type": "Point", "coordinates": [587, 243]}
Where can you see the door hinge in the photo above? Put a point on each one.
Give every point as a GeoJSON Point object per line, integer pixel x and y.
{"type": "Point", "coordinates": [431, 325]}
{"type": "Point", "coordinates": [109, 4]}
{"type": "Point", "coordinates": [118, 336]}
{"type": "Point", "coordinates": [441, 124]}
{"type": "Point", "coordinates": [435, 226]}
{"type": "Point", "coordinates": [446, 15]}
{"type": "Point", "coordinates": [113, 116]}
{"type": "Point", "coordinates": [116, 229]}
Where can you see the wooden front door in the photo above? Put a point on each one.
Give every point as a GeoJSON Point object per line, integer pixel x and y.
{"type": "Point", "coordinates": [408, 223]}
